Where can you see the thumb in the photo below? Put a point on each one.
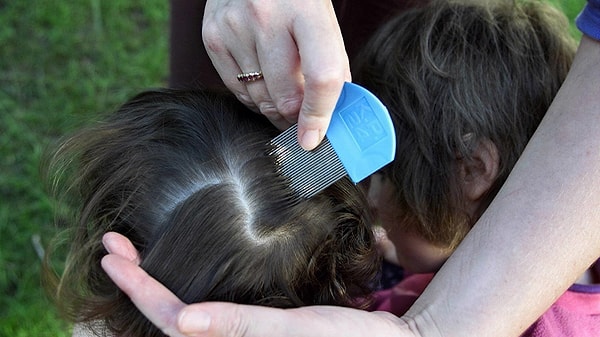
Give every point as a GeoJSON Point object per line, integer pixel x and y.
{"type": "Point", "coordinates": [235, 320]}
{"type": "Point", "coordinates": [325, 67]}
{"type": "Point", "coordinates": [315, 114]}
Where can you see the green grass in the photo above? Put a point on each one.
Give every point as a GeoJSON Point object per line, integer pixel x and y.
{"type": "Point", "coordinates": [62, 63]}
{"type": "Point", "coordinates": [571, 8]}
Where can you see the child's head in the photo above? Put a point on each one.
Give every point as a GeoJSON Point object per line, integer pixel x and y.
{"type": "Point", "coordinates": [185, 175]}
{"type": "Point", "coordinates": [467, 85]}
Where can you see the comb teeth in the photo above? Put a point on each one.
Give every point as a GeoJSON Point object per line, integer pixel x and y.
{"type": "Point", "coordinates": [309, 171]}
{"type": "Point", "coordinates": [359, 141]}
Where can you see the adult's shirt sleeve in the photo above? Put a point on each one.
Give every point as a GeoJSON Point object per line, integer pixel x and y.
{"type": "Point", "coordinates": [588, 21]}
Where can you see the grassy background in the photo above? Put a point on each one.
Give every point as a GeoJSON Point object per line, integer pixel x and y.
{"type": "Point", "coordinates": [62, 63]}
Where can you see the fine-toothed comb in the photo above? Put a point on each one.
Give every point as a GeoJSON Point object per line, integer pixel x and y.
{"type": "Point", "coordinates": [359, 141]}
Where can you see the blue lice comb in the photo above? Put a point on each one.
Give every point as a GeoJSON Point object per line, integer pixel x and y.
{"type": "Point", "coordinates": [359, 141]}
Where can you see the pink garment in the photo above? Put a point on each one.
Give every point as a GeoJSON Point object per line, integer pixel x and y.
{"type": "Point", "coordinates": [575, 314]}
{"type": "Point", "coordinates": [398, 299]}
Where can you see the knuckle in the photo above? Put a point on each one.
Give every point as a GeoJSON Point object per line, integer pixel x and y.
{"type": "Point", "coordinates": [236, 327]}
{"type": "Point", "coordinates": [281, 116]}
{"type": "Point", "coordinates": [276, 118]}
{"type": "Point", "coordinates": [214, 45]}
{"type": "Point", "coordinates": [212, 39]}
{"type": "Point", "coordinates": [325, 79]}
{"type": "Point", "coordinates": [259, 13]}
{"type": "Point", "coordinates": [267, 108]}
{"type": "Point", "coordinates": [289, 107]}
{"type": "Point", "coordinates": [229, 21]}
{"type": "Point", "coordinates": [313, 114]}
{"type": "Point", "coordinates": [233, 19]}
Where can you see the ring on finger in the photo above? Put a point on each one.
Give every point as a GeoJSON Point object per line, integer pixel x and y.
{"type": "Point", "coordinates": [250, 77]}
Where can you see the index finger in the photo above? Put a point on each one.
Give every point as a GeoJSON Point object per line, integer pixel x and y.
{"type": "Point", "coordinates": [153, 299]}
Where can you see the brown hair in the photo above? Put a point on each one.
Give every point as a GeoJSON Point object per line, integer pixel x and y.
{"type": "Point", "coordinates": [452, 74]}
{"type": "Point", "coordinates": [185, 175]}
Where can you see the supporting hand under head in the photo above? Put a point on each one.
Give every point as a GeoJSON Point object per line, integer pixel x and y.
{"type": "Point", "coordinates": [212, 319]}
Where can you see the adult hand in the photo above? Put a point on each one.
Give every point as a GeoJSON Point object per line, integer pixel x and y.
{"type": "Point", "coordinates": [212, 319]}
{"type": "Point", "coordinates": [298, 47]}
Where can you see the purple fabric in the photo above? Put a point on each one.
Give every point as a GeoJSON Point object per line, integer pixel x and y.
{"type": "Point", "coordinates": [588, 20]}
{"type": "Point", "coordinates": [576, 313]}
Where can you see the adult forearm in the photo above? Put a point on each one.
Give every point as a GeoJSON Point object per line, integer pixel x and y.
{"type": "Point", "coordinates": [543, 228]}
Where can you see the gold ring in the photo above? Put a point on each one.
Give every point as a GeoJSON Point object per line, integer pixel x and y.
{"type": "Point", "coordinates": [250, 77]}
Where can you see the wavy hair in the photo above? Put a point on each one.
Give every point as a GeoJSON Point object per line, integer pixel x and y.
{"type": "Point", "coordinates": [451, 74]}
{"type": "Point", "coordinates": [186, 176]}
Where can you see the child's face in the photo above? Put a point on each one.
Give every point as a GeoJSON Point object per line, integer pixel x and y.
{"type": "Point", "coordinates": [410, 250]}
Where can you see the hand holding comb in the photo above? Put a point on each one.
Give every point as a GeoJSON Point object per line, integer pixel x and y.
{"type": "Point", "coordinates": [359, 141]}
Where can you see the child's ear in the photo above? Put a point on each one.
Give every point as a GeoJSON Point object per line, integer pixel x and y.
{"type": "Point", "coordinates": [478, 173]}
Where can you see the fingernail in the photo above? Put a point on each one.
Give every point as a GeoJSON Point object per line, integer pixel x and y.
{"type": "Point", "coordinates": [310, 139]}
{"type": "Point", "coordinates": [106, 243]}
{"type": "Point", "coordinates": [193, 321]}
